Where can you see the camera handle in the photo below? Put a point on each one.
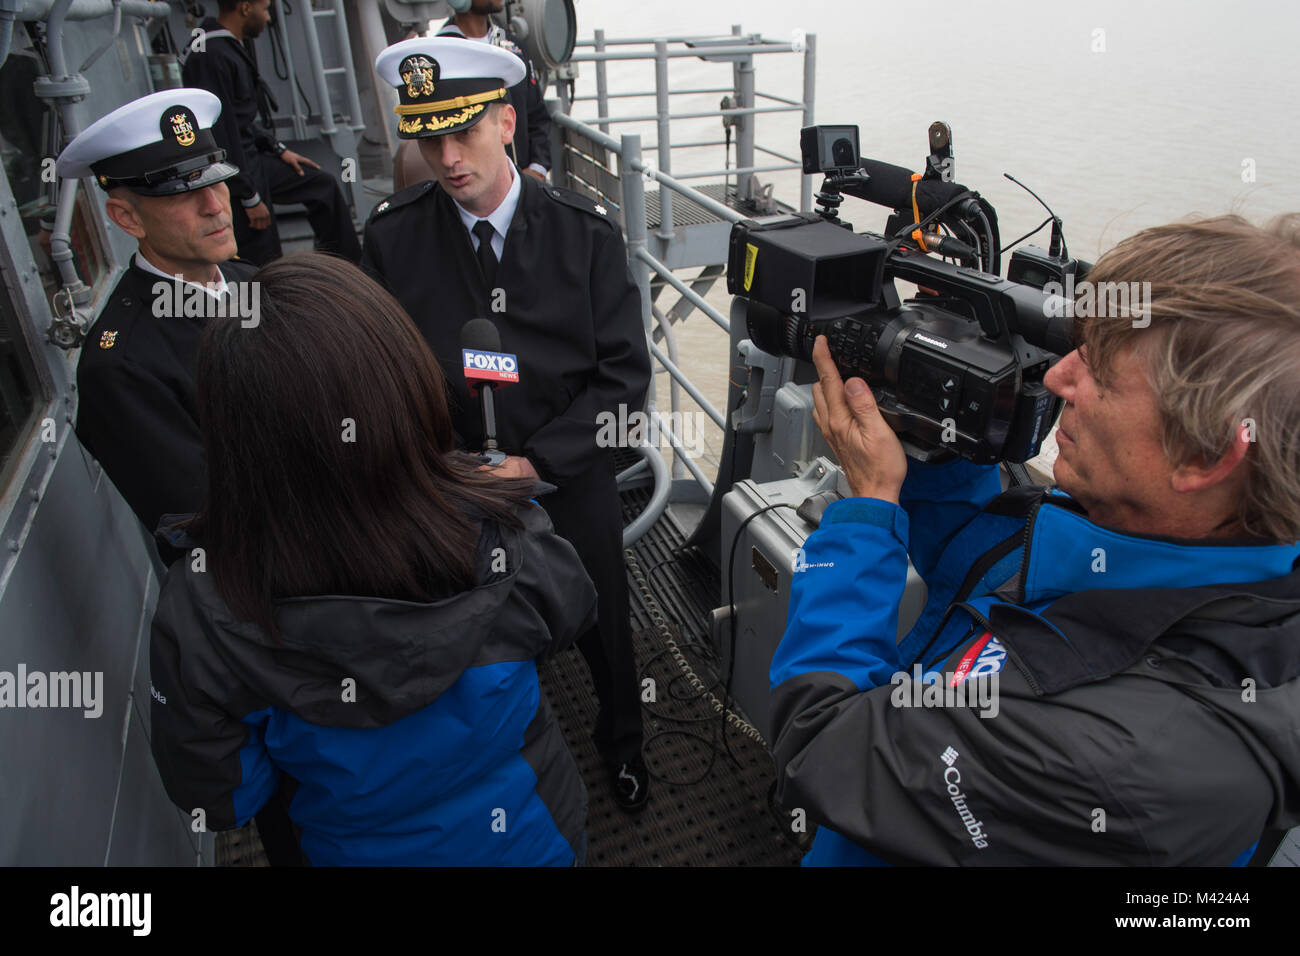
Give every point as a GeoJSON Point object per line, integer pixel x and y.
{"type": "Point", "coordinates": [829, 199]}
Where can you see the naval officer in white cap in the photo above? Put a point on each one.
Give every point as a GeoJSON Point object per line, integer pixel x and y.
{"type": "Point", "coordinates": [165, 179]}
{"type": "Point", "coordinates": [549, 268]}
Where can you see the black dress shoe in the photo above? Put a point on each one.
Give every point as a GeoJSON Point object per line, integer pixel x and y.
{"type": "Point", "coordinates": [631, 783]}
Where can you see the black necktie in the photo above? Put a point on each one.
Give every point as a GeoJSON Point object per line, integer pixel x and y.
{"type": "Point", "coordinates": [487, 259]}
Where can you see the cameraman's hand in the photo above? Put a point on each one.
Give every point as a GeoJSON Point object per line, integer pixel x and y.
{"type": "Point", "coordinates": [867, 448]}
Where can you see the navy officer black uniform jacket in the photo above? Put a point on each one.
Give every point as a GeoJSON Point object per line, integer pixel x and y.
{"type": "Point", "coordinates": [566, 308]}
{"type": "Point", "coordinates": [136, 413]}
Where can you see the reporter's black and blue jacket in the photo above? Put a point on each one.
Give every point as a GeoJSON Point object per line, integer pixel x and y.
{"type": "Point", "coordinates": [1148, 689]}
{"type": "Point", "coordinates": [411, 734]}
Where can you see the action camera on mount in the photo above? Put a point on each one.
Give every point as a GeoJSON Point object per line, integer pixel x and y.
{"type": "Point", "coordinates": [832, 150]}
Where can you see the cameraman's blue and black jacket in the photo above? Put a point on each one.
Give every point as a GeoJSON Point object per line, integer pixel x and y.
{"type": "Point", "coordinates": [1148, 689]}
{"type": "Point", "coordinates": [410, 733]}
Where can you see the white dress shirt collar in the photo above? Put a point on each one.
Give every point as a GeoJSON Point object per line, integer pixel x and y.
{"type": "Point", "coordinates": [499, 217]}
{"type": "Point", "coordinates": [216, 290]}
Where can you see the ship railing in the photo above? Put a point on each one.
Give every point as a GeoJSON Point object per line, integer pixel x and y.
{"type": "Point", "coordinates": [633, 173]}
{"type": "Point", "coordinates": [740, 50]}
{"type": "Point", "coordinates": [585, 151]}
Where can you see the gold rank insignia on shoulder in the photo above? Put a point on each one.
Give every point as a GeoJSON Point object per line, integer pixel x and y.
{"type": "Point", "coordinates": [108, 339]}
{"type": "Point", "coordinates": [600, 209]}
{"type": "Point", "coordinates": [383, 205]}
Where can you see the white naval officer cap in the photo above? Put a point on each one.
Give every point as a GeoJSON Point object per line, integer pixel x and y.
{"type": "Point", "coordinates": [444, 84]}
{"type": "Point", "coordinates": [158, 145]}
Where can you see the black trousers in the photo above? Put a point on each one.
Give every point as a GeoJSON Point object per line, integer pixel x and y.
{"type": "Point", "coordinates": [586, 513]}
{"type": "Point", "coordinates": [318, 190]}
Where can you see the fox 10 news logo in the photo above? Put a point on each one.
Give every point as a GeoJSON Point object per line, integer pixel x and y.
{"type": "Point", "coordinates": [490, 368]}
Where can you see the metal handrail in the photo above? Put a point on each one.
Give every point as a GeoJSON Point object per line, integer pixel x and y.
{"type": "Point", "coordinates": [630, 41]}
{"type": "Point", "coordinates": [638, 166]}
{"type": "Point", "coordinates": [694, 297]}
{"type": "Point", "coordinates": [681, 450]}
{"type": "Point", "coordinates": [705, 114]}
{"type": "Point", "coordinates": [649, 93]}
{"type": "Point", "coordinates": [772, 152]}
{"type": "Point", "coordinates": [734, 170]}
{"type": "Point", "coordinates": [631, 170]}
{"type": "Point", "coordinates": [658, 498]}
{"type": "Point", "coordinates": [687, 384]}
{"type": "Point", "coordinates": [691, 145]}
{"type": "Point", "coordinates": [779, 99]}
{"type": "Point", "coordinates": [698, 52]}
{"type": "Point", "coordinates": [635, 173]}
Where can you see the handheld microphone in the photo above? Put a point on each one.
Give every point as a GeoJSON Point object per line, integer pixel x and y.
{"type": "Point", "coordinates": [487, 368]}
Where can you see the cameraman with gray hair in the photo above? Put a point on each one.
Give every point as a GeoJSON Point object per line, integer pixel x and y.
{"type": "Point", "coordinates": [1138, 626]}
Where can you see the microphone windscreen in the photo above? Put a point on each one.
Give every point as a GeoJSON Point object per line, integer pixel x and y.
{"type": "Point", "coordinates": [889, 185]}
{"type": "Point", "coordinates": [481, 335]}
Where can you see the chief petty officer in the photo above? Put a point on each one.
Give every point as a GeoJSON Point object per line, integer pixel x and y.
{"type": "Point", "coordinates": [550, 269]}
{"type": "Point", "coordinates": [165, 179]}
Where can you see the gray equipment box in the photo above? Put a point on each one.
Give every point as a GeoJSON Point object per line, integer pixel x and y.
{"type": "Point", "coordinates": [764, 560]}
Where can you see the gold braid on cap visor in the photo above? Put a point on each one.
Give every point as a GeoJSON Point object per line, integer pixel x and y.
{"type": "Point", "coordinates": [472, 106]}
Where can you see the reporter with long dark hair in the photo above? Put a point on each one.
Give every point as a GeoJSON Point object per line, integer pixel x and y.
{"type": "Point", "coordinates": [362, 606]}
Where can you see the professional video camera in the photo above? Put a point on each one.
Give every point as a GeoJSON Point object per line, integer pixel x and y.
{"type": "Point", "coordinates": [957, 369]}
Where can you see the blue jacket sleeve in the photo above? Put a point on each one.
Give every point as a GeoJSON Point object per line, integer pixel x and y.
{"type": "Point", "coordinates": [939, 501]}
{"type": "Point", "coordinates": [843, 615]}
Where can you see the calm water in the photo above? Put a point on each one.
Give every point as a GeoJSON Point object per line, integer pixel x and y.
{"type": "Point", "coordinates": [1120, 115]}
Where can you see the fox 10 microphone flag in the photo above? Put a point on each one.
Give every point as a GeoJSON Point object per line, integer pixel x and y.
{"type": "Point", "coordinates": [490, 368]}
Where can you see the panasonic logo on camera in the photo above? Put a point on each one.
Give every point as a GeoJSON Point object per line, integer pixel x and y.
{"type": "Point", "coordinates": [922, 337]}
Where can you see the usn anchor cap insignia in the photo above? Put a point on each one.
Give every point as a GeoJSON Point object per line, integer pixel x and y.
{"type": "Point", "coordinates": [179, 123]}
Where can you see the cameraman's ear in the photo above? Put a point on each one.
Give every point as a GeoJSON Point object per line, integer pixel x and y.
{"type": "Point", "coordinates": [1194, 476]}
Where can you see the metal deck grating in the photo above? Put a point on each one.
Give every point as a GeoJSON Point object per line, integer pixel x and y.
{"type": "Point", "coordinates": [704, 810]}
{"type": "Point", "coordinates": [242, 847]}
{"type": "Point", "coordinates": [686, 212]}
